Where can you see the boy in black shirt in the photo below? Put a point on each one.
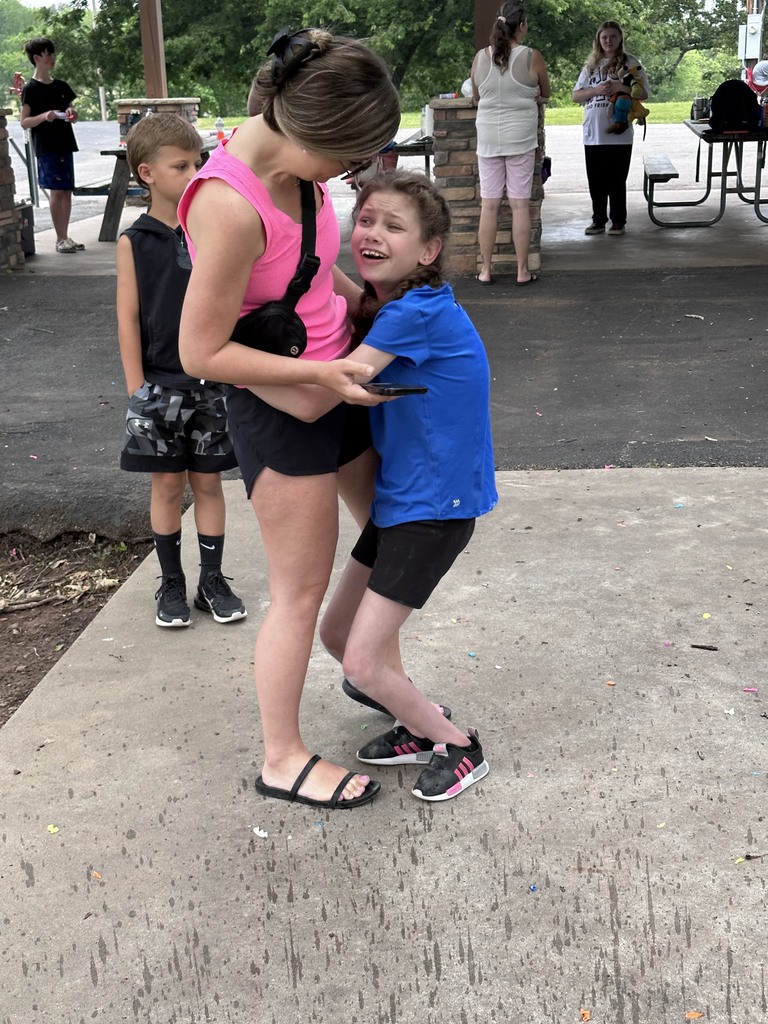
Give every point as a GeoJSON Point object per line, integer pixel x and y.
{"type": "Point", "coordinates": [176, 426]}
{"type": "Point", "coordinates": [46, 110]}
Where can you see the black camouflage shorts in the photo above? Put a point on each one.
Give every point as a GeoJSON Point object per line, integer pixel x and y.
{"type": "Point", "coordinates": [170, 430]}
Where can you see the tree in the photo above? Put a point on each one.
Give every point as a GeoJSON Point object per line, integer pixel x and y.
{"type": "Point", "coordinates": [660, 33]}
{"type": "Point", "coordinates": [17, 24]}
{"type": "Point", "coordinates": [213, 50]}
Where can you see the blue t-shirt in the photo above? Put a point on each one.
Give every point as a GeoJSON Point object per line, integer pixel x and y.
{"type": "Point", "coordinates": [436, 449]}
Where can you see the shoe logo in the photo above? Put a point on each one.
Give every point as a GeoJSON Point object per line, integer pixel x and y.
{"type": "Point", "coordinates": [210, 547]}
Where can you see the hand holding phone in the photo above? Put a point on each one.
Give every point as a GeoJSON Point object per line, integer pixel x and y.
{"type": "Point", "coordinates": [392, 390]}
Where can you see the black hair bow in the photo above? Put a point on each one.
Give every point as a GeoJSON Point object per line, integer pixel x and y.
{"type": "Point", "coordinates": [286, 60]}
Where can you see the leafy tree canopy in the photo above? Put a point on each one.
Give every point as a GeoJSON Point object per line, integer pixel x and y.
{"type": "Point", "coordinates": [213, 50]}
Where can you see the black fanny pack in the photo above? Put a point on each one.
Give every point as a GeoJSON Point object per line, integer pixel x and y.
{"type": "Point", "coordinates": [276, 327]}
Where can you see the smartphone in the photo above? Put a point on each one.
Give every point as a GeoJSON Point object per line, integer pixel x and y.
{"type": "Point", "coordinates": [392, 390]}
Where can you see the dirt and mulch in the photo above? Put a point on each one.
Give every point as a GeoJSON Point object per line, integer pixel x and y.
{"type": "Point", "coordinates": [49, 592]}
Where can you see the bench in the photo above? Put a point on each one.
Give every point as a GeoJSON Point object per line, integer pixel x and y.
{"type": "Point", "coordinates": [656, 169]}
{"type": "Point", "coordinates": [659, 168]}
{"type": "Point", "coordinates": [101, 188]}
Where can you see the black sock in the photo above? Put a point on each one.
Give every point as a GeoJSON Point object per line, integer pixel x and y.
{"type": "Point", "coordinates": [211, 552]}
{"type": "Point", "coordinates": [168, 547]}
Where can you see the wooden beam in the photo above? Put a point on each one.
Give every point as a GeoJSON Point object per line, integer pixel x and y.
{"type": "Point", "coordinates": [153, 48]}
{"type": "Point", "coordinates": [485, 12]}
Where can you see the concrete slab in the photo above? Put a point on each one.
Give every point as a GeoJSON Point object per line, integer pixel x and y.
{"type": "Point", "coordinates": [610, 862]}
{"type": "Point", "coordinates": [601, 865]}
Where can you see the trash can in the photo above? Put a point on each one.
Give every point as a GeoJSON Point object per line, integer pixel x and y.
{"type": "Point", "coordinates": [27, 214]}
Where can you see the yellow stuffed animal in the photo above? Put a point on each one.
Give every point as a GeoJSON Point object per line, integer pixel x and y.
{"type": "Point", "coordinates": [627, 109]}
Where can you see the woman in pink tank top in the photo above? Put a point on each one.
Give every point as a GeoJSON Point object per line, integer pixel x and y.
{"type": "Point", "coordinates": [327, 104]}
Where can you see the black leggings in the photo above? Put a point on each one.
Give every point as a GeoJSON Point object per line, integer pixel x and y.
{"type": "Point", "coordinates": [607, 170]}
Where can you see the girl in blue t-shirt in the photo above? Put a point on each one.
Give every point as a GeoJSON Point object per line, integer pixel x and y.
{"type": "Point", "coordinates": [436, 473]}
{"type": "Point", "coordinates": [435, 476]}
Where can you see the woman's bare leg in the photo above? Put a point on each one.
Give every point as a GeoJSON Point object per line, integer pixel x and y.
{"type": "Point", "coordinates": [486, 234]}
{"type": "Point", "coordinates": [521, 235]}
{"type": "Point", "coordinates": [298, 517]}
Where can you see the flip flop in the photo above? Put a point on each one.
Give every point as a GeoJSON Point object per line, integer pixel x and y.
{"type": "Point", "coordinates": [369, 702]}
{"type": "Point", "coordinates": [477, 278]}
{"type": "Point", "coordinates": [363, 698]}
{"type": "Point", "coordinates": [531, 280]}
{"type": "Point", "coordinates": [371, 790]}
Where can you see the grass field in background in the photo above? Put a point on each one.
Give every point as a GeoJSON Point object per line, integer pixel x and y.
{"type": "Point", "coordinates": [572, 113]}
{"type": "Point", "coordinates": [661, 113]}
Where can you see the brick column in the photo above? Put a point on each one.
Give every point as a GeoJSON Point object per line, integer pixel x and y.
{"type": "Point", "coordinates": [455, 170]}
{"type": "Point", "coordinates": [11, 255]}
{"type": "Point", "coordinates": [186, 106]}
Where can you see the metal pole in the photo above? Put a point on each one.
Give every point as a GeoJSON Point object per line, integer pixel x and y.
{"type": "Point", "coordinates": [101, 91]}
{"type": "Point", "coordinates": [29, 146]}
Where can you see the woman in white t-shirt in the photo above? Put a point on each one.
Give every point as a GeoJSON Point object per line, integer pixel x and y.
{"type": "Point", "coordinates": [509, 81]}
{"type": "Point", "coordinates": [608, 153]}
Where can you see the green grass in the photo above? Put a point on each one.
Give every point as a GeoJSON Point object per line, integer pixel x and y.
{"type": "Point", "coordinates": [571, 113]}
{"type": "Point", "coordinates": [409, 119]}
{"type": "Point", "coordinates": [661, 113]}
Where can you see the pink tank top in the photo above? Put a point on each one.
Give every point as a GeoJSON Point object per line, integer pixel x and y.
{"type": "Point", "coordinates": [323, 311]}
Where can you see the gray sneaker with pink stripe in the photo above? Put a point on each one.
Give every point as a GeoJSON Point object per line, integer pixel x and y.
{"type": "Point", "coordinates": [397, 746]}
{"type": "Point", "coordinates": [451, 770]}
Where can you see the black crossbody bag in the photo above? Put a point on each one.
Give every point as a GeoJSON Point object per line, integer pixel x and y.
{"type": "Point", "coordinates": [276, 327]}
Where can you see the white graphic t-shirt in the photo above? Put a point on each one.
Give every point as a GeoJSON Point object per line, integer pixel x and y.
{"type": "Point", "coordinates": [598, 111]}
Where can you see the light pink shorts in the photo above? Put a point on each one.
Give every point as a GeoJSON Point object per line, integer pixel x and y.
{"type": "Point", "coordinates": [514, 171]}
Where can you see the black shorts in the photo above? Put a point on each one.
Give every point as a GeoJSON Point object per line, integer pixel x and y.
{"type": "Point", "coordinates": [264, 438]}
{"type": "Point", "coordinates": [407, 561]}
{"type": "Point", "coordinates": [169, 430]}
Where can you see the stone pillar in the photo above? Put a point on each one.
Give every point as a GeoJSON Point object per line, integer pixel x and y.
{"type": "Point", "coordinates": [11, 255]}
{"type": "Point", "coordinates": [187, 106]}
{"type": "Point", "coordinates": [455, 170]}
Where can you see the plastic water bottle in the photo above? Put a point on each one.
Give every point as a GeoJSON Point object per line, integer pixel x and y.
{"type": "Point", "coordinates": [219, 126]}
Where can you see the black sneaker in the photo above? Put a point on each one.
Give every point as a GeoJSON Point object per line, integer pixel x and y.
{"type": "Point", "coordinates": [215, 595]}
{"type": "Point", "coordinates": [595, 229]}
{"type": "Point", "coordinates": [172, 607]}
{"type": "Point", "coordinates": [369, 702]}
{"type": "Point", "coordinates": [451, 770]}
{"type": "Point", "coordinates": [397, 746]}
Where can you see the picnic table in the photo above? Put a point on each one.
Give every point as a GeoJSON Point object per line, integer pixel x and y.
{"type": "Point", "coordinates": [118, 187]}
{"type": "Point", "coordinates": [724, 175]}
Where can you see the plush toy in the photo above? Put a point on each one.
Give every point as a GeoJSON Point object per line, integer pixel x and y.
{"type": "Point", "coordinates": [627, 109]}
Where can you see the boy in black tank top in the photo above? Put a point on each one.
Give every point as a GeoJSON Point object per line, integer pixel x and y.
{"type": "Point", "coordinates": [176, 425]}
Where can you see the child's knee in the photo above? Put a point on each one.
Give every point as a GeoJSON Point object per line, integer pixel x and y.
{"type": "Point", "coordinates": [331, 638]}
{"type": "Point", "coordinates": [358, 669]}
{"type": "Point", "coordinates": [169, 487]}
{"type": "Point", "coordinates": [206, 485]}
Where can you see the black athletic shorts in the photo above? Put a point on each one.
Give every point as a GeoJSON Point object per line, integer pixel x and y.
{"type": "Point", "coordinates": [170, 430]}
{"type": "Point", "coordinates": [407, 561]}
{"type": "Point", "coordinates": [264, 437]}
